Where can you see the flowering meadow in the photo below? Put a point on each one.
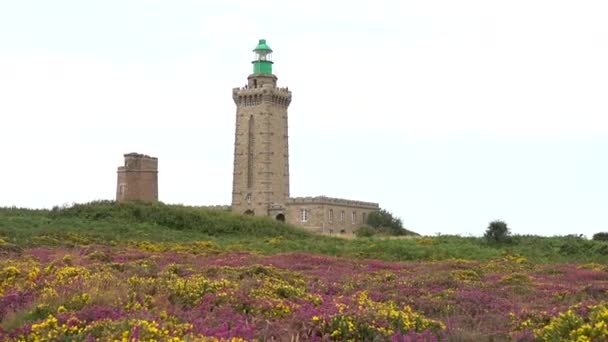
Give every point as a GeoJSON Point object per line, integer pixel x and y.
{"type": "Point", "coordinates": [194, 291]}
{"type": "Point", "coordinates": [106, 271]}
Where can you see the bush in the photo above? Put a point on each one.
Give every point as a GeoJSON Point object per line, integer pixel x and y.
{"type": "Point", "coordinates": [497, 232]}
{"type": "Point", "coordinates": [175, 217]}
{"type": "Point", "coordinates": [576, 325]}
{"type": "Point", "coordinates": [383, 220]}
{"type": "Point", "coordinates": [601, 236]}
{"type": "Point", "coordinates": [576, 245]}
{"type": "Point", "coordinates": [365, 231]}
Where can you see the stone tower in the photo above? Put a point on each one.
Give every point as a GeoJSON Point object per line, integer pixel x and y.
{"type": "Point", "coordinates": [138, 179]}
{"type": "Point", "coordinates": [261, 155]}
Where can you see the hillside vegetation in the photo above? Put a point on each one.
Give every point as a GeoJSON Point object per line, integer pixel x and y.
{"type": "Point", "coordinates": [105, 271]}
{"type": "Point", "coordinates": [113, 224]}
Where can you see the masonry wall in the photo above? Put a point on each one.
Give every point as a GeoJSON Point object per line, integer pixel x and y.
{"type": "Point", "coordinates": [319, 219]}
{"type": "Point", "coordinates": [261, 152]}
{"type": "Point", "coordinates": [137, 179]}
{"type": "Point", "coordinates": [316, 220]}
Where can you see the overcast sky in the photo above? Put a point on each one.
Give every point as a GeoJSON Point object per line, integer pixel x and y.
{"type": "Point", "coordinates": [450, 114]}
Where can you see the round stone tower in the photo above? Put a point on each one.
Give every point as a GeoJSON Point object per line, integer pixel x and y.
{"type": "Point", "coordinates": [261, 154]}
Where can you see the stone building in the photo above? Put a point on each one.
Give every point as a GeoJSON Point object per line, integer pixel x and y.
{"type": "Point", "coordinates": [137, 179]}
{"type": "Point", "coordinates": [328, 215]}
{"type": "Point", "coordinates": [261, 159]}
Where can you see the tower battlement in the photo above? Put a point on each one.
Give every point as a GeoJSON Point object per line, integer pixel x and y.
{"type": "Point", "coordinates": [263, 95]}
{"type": "Point", "coordinates": [259, 89]}
{"type": "Point", "coordinates": [139, 162]}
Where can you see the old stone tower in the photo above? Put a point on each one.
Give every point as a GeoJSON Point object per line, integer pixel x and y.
{"type": "Point", "coordinates": [137, 179]}
{"type": "Point", "coordinates": [261, 155]}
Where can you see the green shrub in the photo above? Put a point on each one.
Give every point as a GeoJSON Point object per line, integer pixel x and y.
{"type": "Point", "coordinates": [497, 232]}
{"type": "Point", "coordinates": [365, 231]}
{"type": "Point", "coordinates": [601, 236]}
{"type": "Point", "coordinates": [384, 220]}
{"type": "Point", "coordinates": [575, 245]}
{"type": "Point", "coordinates": [574, 325]}
{"type": "Point", "coordinates": [175, 217]}
{"type": "Point", "coordinates": [601, 249]}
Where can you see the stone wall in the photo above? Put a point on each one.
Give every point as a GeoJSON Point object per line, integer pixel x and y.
{"type": "Point", "coordinates": [328, 215]}
{"type": "Point", "coordinates": [261, 152]}
{"type": "Point", "coordinates": [137, 179]}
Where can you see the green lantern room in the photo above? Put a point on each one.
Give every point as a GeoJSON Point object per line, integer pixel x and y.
{"type": "Point", "coordinates": [262, 63]}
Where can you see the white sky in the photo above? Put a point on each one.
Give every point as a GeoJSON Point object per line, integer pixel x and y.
{"type": "Point", "coordinates": [450, 114]}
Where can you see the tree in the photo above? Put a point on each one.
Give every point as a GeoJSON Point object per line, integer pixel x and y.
{"type": "Point", "coordinates": [383, 219]}
{"type": "Point", "coordinates": [601, 236]}
{"type": "Point", "coordinates": [497, 232]}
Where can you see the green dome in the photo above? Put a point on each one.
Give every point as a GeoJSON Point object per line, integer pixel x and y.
{"type": "Point", "coordinates": [262, 46]}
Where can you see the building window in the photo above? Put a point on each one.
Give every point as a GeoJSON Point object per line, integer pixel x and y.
{"type": "Point", "coordinates": [363, 217]}
{"type": "Point", "coordinates": [342, 216]}
{"type": "Point", "coordinates": [304, 213]}
{"type": "Point", "coordinates": [354, 217]}
{"type": "Point", "coordinates": [330, 216]}
{"type": "Point", "coordinates": [248, 198]}
{"type": "Point", "coordinates": [122, 188]}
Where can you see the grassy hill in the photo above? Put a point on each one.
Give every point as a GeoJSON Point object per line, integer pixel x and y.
{"type": "Point", "coordinates": [111, 223]}
{"type": "Point", "coordinates": [105, 271]}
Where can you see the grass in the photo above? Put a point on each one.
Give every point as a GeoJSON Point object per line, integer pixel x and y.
{"type": "Point", "coordinates": [110, 223]}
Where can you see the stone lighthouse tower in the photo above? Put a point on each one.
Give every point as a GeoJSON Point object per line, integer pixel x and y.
{"type": "Point", "coordinates": [261, 155]}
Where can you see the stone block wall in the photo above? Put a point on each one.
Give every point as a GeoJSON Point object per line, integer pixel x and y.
{"type": "Point", "coordinates": [137, 179]}
{"type": "Point", "coordinates": [261, 153]}
{"type": "Point", "coordinates": [324, 214]}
